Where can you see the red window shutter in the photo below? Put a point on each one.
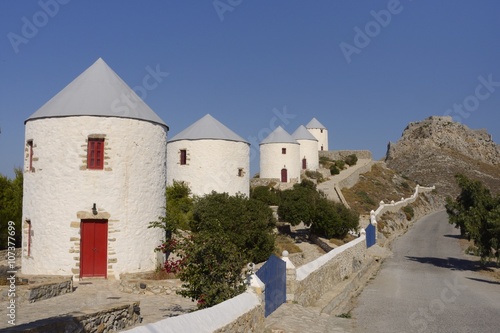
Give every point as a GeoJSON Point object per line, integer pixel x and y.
{"type": "Point", "coordinates": [95, 154]}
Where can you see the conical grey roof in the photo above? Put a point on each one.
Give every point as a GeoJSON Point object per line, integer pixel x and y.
{"type": "Point", "coordinates": [279, 135]}
{"type": "Point", "coordinates": [314, 123]}
{"type": "Point", "coordinates": [207, 128]}
{"type": "Point", "coordinates": [98, 91]}
{"type": "Point", "coordinates": [301, 133]}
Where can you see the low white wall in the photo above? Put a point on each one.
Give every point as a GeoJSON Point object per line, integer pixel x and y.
{"type": "Point", "coordinates": [396, 206]}
{"type": "Point", "coordinates": [242, 313]}
{"type": "Point", "coordinates": [323, 274]}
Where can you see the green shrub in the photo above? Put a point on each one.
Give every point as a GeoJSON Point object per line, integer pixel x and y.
{"type": "Point", "coordinates": [324, 159]}
{"type": "Point", "coordinates": [351, 159]}
{"type": "Point", "coordinates": [365, 198]}
{"type": "Point", "coordinates": [340, 164]}
{"type": "Point", "coordinates": [333, 220]}
{"type": "Point", "coordinates": [212, 269]}
{"type": "Point", "coordinates": [334, 170]}
{"type": "Point", "coordinates": [315, 175]}
{"type": "Point", "coordinates": [267, 195]}
{"type": "Point", "coordinates": [409, 212]}
{"type": "Point", "coordinates": [248, 223]}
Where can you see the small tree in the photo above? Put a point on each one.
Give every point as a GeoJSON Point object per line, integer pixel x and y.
{"type": "Point", "coordinates": [477, 213]}
{"type": "Point", "coordinates": [212, 270]}
{"type": "Point", "coordinates": [332, 219]}
{"type": "Point", "coordinates": [267, 195]}
{"type": "Point", "coordinates": [299, 203]}
{"type": "Point", "coordinates": [11, 206]}
{"type": "Point", "coordinates": [248, 223]}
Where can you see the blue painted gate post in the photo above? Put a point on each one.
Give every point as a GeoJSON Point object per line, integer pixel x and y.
{"type": "Point", "coordinates": [273, 275]}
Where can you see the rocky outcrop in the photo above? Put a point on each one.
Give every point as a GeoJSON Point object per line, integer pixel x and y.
{"type": "Point", "coordinates": [432, 151]}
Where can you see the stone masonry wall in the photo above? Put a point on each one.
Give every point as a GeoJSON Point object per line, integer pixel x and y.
{"type": "Point", "coordinates": [252, 321]}
{"type": "Point", "coordinates": [352, 179]}
{"type": "Point", "coordinates": [97, 320]}
{"type": "Point", "coordinates": [323, 274]}
{"type": "Point", "coordinates": [341, 154]}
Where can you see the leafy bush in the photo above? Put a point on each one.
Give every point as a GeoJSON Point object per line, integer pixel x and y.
{"type": "Point", "coordinates": [212, 270]}
{"type": "Point", "coordinates": [334, 170]}
{"type": "Point", "coordinates": [315, 175]}
{"type": "Point", "coordinates": [351, 159]}
{"type": "Point", "coordinates": [366, 198]}
{"type": "Point", "coordinates": [409, 212]}
{"type": "Point", "coordinates": [332, 219]}
{"type": "Point", "coordinates": [477, 213]}
{"type": "Point", "coordinates": [326, 218]}
{"type": "Point", "coordinates": [298, 204]}
{"type": "Point", "coordinates": [324, 159]}
{"type": "Point", "coordinates": [248, 223]}
{"type": "Point", "coordinates": [340, 164]}
{"type": "Point", "coordinates": [267, 195]}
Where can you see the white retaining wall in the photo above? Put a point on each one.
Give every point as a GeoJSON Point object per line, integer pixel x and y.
{"type": "Point", "coordinates": [243, 313]}
{"type": "Point", "coordinates": [396, 206]}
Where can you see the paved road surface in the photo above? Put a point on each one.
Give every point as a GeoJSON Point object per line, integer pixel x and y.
{"type": "Point", "coordinates": [428, 285]}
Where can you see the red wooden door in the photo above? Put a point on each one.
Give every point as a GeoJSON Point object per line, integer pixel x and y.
{"type": "Point", "coordinates": [304, 163]}
{"type": "Point", "coordinates": [284, 175]}
{"type": "Point", "coordinates": [94, 248]}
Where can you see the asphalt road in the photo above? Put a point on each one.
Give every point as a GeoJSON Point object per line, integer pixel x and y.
{"type": "Point", "coordinates": [428, 285]}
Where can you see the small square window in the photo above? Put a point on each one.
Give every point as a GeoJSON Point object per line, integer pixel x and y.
{"type": "Point", "coordinates": [183, 157]}
{"type": "Point", "coordinates": [240, 172]}
{"type": "Point", "coordinates": [283, 151]}
{"type": "Point", "coordinates": [95, 154]}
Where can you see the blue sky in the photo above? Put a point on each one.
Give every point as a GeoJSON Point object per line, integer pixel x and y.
{"type": "Point", "coordinates": [364, 69]}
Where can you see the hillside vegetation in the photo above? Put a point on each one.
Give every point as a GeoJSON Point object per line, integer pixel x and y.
{"type": "Point", "coordinates": [379, 184]}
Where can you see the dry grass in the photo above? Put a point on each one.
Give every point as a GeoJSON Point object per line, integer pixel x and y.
{"type": "Point", "coordinates": [284, 242]}
{"type": "Point", "coordinates": [376, 185]}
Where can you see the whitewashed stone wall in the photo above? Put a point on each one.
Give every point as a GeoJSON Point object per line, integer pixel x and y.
{"type": "Point", "coordinates": [212, 165]}
{"type": "Point", "coordinates": [59, 191]}
{"type": "Point", "coordinates": [396, 206]}
{"type": "Point", "coordinates": [322, 136]}
{"type": "Point", "coordinates": [309, 150]}
{"type": "Point", "coordinates": [341, 154]}
{"type": "Point", "coordinates": [323, 274]}
{"type": "Point", "coordinates": [272, 160]}
{"type": "Point", "coordinates": [243, 313]}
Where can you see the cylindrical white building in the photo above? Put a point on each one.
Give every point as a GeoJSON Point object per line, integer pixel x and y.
{"type": "Point", "coordinates": [94, 177]}
{"type": "Point", "coordinates": [208, 156]}
{"type": "Point", "coordinates": [320, 132]}
{"type": "Point", "coordinates": [309, 157]}
{"type": "Point", "coordinates": [280, 157]}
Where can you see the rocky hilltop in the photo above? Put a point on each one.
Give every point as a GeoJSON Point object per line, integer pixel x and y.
{"type": "Point", "coordinates": [432, 151]}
